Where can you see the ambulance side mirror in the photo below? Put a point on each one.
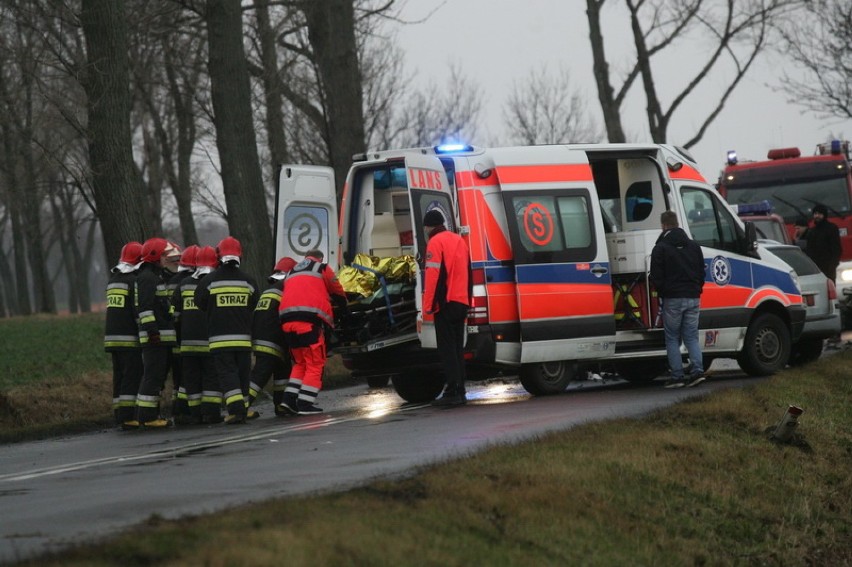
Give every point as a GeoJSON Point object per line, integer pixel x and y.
{"type": "Point", "coordinates": [750, 239]}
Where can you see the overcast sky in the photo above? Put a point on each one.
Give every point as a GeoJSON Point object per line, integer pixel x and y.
{"type": "Point", "coordinates": [497, 42]}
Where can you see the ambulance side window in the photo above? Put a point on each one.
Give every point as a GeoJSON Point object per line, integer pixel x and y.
{"type": "Point", "coordinates": [709, 223]}
{"type": "Point", "coordinates": [552, 227]}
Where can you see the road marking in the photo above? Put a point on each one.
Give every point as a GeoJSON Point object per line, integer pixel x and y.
{"type": "Point", "coordinates": [326, 421]}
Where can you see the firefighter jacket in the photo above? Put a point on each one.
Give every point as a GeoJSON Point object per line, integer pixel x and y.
{"type": "Point", "coordinates": [266, 334]}
{"type": "Point", "coordinates": [447, 271]}
{"type": "Point", "coordinates": [121, 332]}
{"type": "Point", "coordinates": [153, 306]}
{"type": "Point", "coordinates": [193, 321]}
{"type": "Point", "coordinates": [677, 265]}
{"type": "Point", "coordinates": [307, 295]}
{"type": "Point", "coordinates": [229, 296]}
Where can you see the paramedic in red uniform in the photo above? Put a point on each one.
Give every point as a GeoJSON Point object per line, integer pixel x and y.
{"type": "Point", "coordinates": [677, 272]}
{"type": "Point", "coordinates": [446, 295]}
{"type": "Point", "coordinates": [305, 314]}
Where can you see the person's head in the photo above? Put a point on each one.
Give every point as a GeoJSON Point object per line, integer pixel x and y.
{"type": "Point", "coordinates": [316, 254]}
{"type": "Point", "coordinates": [229, 250]}
{"type": "Point", "coordinates": [171, 256]}
{"type": "Point", "coordinates": [819, 212]}
{"type": "Point", "coordinates": [668, 220]}
{"type": "Point", "coordinates": [189, 256]}
{"type": "Point", "coordinates": [131, 257]}
{"type": "Point", "coordinates": [153, 249]}
{"type": "Point", "coordinates": [205, 261]}
{"type": "Point", "coordinates": [282, 267]}
{"type": "Point", "coordinates": [432, 220]}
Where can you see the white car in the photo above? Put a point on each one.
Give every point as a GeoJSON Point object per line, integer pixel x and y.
{"type": "Point", "coordinates": [844, 292]}
{"type": "Point", "coordinates": [822, 319]}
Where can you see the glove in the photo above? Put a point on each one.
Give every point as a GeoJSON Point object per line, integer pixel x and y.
{"type": "Point", "coordinates": [154, 339]}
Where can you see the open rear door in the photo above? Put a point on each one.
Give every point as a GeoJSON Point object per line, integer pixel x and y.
{"type": "Point", "coordinates": [564, 285]}
{"type": "Point", "coordinates": [306, 213]}
{"type": "Point", "coordinates": [428, 189]}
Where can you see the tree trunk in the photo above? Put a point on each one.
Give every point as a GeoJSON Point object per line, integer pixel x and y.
{"type": "Point", "coordinates": [271, 87]}
{"type": "Point", "coordinates": [606, 95]}
{"type": "Point", "coordinates": [331, 31]}
{"type": "Point", "coordinates": [116, 186]}
{"type": "Point", "coordinates": [248, 217]}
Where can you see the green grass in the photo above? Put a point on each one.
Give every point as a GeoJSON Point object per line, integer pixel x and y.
{"type": "Point", "coordinates": [44, 347]}
{"type": "Point", "coordinates": [700, 483]}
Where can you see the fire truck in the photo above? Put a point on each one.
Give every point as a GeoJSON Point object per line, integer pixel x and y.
{"type": "Point", "coordinates": [793, 184]}
{"type": "Point", "coordinates": [560, 239]}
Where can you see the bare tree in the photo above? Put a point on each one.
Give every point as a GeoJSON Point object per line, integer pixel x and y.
{"type": "Point", "coordinates": [819, 41]}
{"type": "Point", "coordinates": [544, 109]}
{"type": "Point", "coordinates": [736, 32]}
{"type": "Point", "coordinates": [115, 181]}
{"type": "Point", "coordinates": [231, 96]}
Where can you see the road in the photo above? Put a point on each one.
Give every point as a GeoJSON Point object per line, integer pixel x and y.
{"type": "Point", "coordinates": [60, 492]}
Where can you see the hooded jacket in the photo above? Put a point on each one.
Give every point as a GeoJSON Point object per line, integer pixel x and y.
{"type": "Point", "coordinates": [677, 265]}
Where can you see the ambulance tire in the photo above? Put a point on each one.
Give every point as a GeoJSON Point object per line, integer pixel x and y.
{"type": "Point", "coordinates": [418, 387]}
{"type": "Point", "coordinates": [640, 371]}
{"type": "Point", "coordinates": [547, 378]}
{"type": "Point", "coordinates": [767, 346]}
{"type": "Point", "coordinates": [805, 351]}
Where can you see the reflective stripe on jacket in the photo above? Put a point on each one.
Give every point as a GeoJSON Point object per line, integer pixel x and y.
{"type": "Point", "coordinates": [306, 296]}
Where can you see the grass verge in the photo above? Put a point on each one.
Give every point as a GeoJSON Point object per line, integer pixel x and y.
{"type": "Point", "coordinates": [699, 483]}
{"type": "Point", "coordinates": [56, 379]}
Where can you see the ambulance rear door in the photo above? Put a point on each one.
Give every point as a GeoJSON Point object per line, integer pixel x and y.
{"type": "Point", "coordinates": [428, 189]}
{"type": "Point", "coordinates": [306, 213]}
{"type": "Point", "coordinates": [562, 269]}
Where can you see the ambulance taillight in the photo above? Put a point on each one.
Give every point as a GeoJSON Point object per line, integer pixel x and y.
{"type": "Point", "coordinates": [478, 312]}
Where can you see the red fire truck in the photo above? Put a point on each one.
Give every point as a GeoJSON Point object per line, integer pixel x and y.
{"type": "Point", "coordinates": [793, 184]}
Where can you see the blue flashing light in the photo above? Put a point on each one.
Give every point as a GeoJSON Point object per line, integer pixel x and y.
{"type": "Point", "coordinates": [452, 148]}
{"type": "Point", "coordinates": [732, 157]}
{"type": "Point", "coordinates": [835, 146]}
{"type": "Point", "coordinates": [760, 208]}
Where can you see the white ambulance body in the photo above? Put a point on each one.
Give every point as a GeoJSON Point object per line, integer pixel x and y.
{"type": "Point", "coordinates": [560, 239]}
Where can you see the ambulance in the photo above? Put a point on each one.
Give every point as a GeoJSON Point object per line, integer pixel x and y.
{"type": "Point", "coordinates": [560, 238]}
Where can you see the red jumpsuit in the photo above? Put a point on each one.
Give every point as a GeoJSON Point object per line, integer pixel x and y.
{"type": "Point", "coordinates": [305, 314]}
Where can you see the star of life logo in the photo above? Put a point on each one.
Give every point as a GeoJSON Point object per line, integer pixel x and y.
{"type": "Point", "coordinates": [720, 269]}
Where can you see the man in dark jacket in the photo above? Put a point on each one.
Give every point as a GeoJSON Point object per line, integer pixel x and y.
{"type": "Point", "coordinates": [823, 242]}
{"type": "Point", "coordinates": [677, 273]}
{"type": "Point", "coordinates": [229, 297]}
{"type": "Point", "coordinates": [121, 338]}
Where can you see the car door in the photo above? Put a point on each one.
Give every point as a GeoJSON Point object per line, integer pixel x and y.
{"type": "Point", "coordinates": [562, 269]}
{"type": "Point", "coordinates": [306, 213]}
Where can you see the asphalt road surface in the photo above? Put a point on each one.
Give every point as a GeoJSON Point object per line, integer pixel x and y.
{"type": "Point", "coordinates": [60, 492]}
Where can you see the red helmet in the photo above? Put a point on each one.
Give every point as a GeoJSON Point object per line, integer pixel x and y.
{"type": "Point", "coordinates": [131, 253]}
{"type": "Point", "coordinates": [153, 249]}
{"type": "Point", "coordinates": [229, 246]}
{"type": "Point", "coordinates": [206, 258]}
{"type": "Point", "coordinates": [285, 264]}
{"type": "Point", "coordinates": [189, 256]}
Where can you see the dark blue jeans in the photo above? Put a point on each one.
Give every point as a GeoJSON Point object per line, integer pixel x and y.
{"type": "Point", "coordinates": [680, 321]}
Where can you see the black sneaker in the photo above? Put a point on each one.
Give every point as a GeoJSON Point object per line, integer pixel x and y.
{"type": "Point", "coordinates": [307, 408]}
{"type": "Point", "coordinates": [286, 408]}
{"type": "Point", "coordinates": [450, 400]}
{"type": "Point", "coordinates": [675, 383]}
{"type": "Point", "coordinates": [695, 380]}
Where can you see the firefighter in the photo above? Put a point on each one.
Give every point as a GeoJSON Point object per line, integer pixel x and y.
{"type": "Point", "coordinates": [446, 295]}
{"type": "Point", "coordinates": [156, 333]}
{"type": "Point", "coordinates": [271, 356]}
{"type": "Point", "coordinates": [229, 297]}
{"type": "Point", "coordinates": [185, 269]}
{"type": "Point", "coordinates": [201, 381]}
{"type": "Point", "coordinates": [306, 315]}
{"type": "Point", "coordinates": [121, 338]}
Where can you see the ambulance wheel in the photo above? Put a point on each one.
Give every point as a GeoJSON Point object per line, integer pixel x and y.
{"type": "Point", "coordinates": [641, 370]}
{"type": "Point", "coordinates": [418, 387]}
{"type": "Point", "coordinates": [545, 378]}
{"type": "Point", "coordinates": [805, 351]}
{"type": "Point", "coordinates": [767, 346]}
